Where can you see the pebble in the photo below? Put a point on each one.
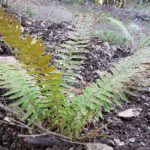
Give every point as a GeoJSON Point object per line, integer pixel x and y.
{"type": "Point", "coordinates": [143, 97]}
{"type": "Point", "coordinates": [119, 143]}
{"type": "Point", "coordinates": [132, 140]}
{"type": "Point", "coordinates": [28, 23]}
{"type": "Point", "coordinates": [142, 143]}
{"type": "Point", "coordinates": [8, 59]}
{"type": "Point", "coordinates": [98, 146]}
{"type": "Point", "coordinates": [130, 113]}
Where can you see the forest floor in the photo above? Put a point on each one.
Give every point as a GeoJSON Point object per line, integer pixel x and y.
{"type": "Point", "coordinates": [53, 26]}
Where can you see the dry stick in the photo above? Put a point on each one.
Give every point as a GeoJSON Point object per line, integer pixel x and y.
{"type": "Point", "coordinates": [7, 109]}
{"type": "Point", "coordinates": [93, 133]}
{"type": "Point", "coordinates": [48, 140]}
{"type": "Point", "coordinates": [12, 121]}
{"type": "Point", "coordinates": [12, 124]}
{"type": "Point", "coordinates": [34, 139]}
{"type": "Point", "coordinates": [21, 122]}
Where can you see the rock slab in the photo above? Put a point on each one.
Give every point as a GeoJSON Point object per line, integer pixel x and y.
{"type": "Point", "coordinates": [98, 146]}
{"type": "Point", "coordinates": [130, 113]}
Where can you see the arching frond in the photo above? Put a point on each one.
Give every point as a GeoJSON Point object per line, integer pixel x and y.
{"type": "Point", "coordinates": [105, 93]}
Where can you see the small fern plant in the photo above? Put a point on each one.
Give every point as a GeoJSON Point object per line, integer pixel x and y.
{"type": "Point", "coordinates": [111, 37]}
{"type": "Point", "coordinates": [124, 37]}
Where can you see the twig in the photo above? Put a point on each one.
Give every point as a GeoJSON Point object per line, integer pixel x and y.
{"type": "Point", "coordinates": [47, 140]}
{"type": "Point", "coordinates": [40, 129]}
{"type": "Point", "coordinates": [49, 132]}
{"type": "Point", "coordinates": [16, 122]}
{"type": "Point", "coordinates": [5, 108]}
{"type": "Point", "coordinates": [94, 133]}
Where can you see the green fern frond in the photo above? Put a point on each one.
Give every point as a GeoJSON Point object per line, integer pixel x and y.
{"type": "Point", "coordinates": [47, 77]}
{"type": "Point", "coordinates": [72, 53]}
{"type": "Point", "coordinates": [25, 97]}
{"type": "Point", "coordinates": [145, 42]}
{"type": "Point", "coordinates": [112, 37]}
{"type": "Point", "coordinates": [32, 55]}
{"type": "Point", "coordinates": [105, 93]}
{"type": "Point", "coordinates": [124, 32]}
{"type": "Point", "coordinates": [122, 27]}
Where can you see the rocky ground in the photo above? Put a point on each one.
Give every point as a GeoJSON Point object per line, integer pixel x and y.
{"type": "Point", "coordinates": [121, 132]}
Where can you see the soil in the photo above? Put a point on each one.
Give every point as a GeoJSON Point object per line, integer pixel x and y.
{"type": "Point", "coordinates": [133, 134]}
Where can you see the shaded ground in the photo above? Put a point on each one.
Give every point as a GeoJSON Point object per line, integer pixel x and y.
{"type": "Point", "coordinates": [134, 134]}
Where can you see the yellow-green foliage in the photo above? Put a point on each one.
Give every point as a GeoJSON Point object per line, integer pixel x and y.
{"type": "Point", "coordinates": [32, 55]}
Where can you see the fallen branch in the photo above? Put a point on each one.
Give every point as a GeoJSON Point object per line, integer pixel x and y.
{"type": "Point", "coordinates": [7, 109]}
{"type": "Point", "coordinates": [14, 122]}
{"type": "Point", "coordinates": [48, 140]}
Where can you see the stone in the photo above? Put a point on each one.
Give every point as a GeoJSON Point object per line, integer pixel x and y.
{"type": "Point", "coordinates": [118, 142]}
{"type": "Point", "coordinates": [1, 148]}
{"type": "Point", "coordinates": [8, 59]}
{"type": "Point", "coordinates": [130, 113]}
{"type": "Point", "coordinates": [98, 146]}
{"type": "Point", "coordinates": [132, 140]}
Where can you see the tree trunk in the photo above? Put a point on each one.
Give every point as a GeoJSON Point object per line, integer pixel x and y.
{"type": "Point", "coordinates": [118, 3]}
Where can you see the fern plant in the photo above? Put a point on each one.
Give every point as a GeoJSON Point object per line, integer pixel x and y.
{"type": "Point", "coordinates": [105, 93]}
{"type": "Point", "coordinates": [112, 37]}
{"type": "Point", "coordinates": [22, 90]}
{"type": "Point", "coordinates": [129, 34]}
{"type": "Point", "coordinates": [39, 91]}
{"type": "Point", "coordinates": [72, 53]}
{"type": "Point", "coordinates": [145, 42]}
{"type": "Point", "coordinates": [124, 37]}
{"type": "Point", "coordinates": [32, 55]}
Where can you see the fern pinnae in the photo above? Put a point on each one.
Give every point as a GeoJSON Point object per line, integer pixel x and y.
{"type": "Point", "coordinates": [22, 89]}
{"type": "Point", "coordinates": [145, 42]}
{"type": "Point", "coordinates": [112, 37]}
{"type": "Point", "coordinates": [105, 93]}
{"type": "Point", "coordinates": [32, 55]}
{"type": "Point", "coordinates": [71, 54]}
{"type": "Point", "coordinates": [122, 27]}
